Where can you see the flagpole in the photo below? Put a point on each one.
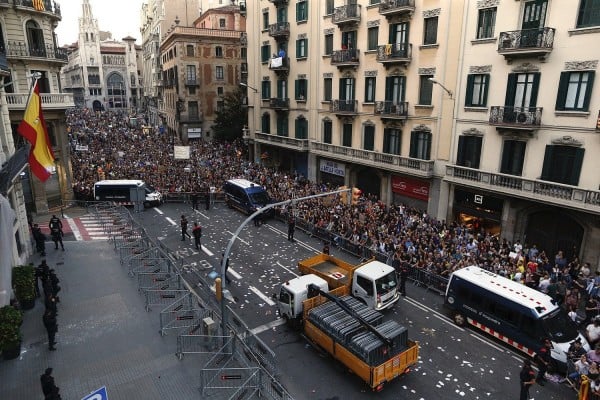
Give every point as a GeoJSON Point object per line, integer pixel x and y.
{"type": "Point", "coordinates": [34, 78]}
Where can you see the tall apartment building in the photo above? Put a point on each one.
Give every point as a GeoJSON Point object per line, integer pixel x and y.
{"type": "Point", "coordinates": [524, 155]}
{"type": "Point", "coordinates": [199, 65]}
{"type": "Point", "coordinates": [28, 46]}
{"type": "Point", "coordinates": [344, 93]}
{"type": "Point", "coordinates": [102, 73]}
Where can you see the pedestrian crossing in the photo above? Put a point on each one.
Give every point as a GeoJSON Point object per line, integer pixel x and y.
{"type": "Point", "coordinates": [88, 228]}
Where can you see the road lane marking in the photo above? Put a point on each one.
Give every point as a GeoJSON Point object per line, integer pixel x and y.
{"type": "Point", "coordinates": [158, 211]}
{"type": "Point", "coordinates": [204, 216]}
{"type": "Point", "coordinates": [171, 221]}
{"type": "Point", "coordinates": [260, 294]}
{"type": "Point", "coordinates": [238, 238]}
{"type": "Point", "coordinates": [207, 251]}
{"type": "Point", "coordinates": [482, 340]}
{"type": "Point", "coordinates": [74, 229]}
{"type": "Point", "coordinates": [234, 274]}
{"type": "Point", "coordinates": [300, 242]}
{"type": "Point", "coordinates": [267, 326]}
{"type": "Point", "coordinates": [287, 269]}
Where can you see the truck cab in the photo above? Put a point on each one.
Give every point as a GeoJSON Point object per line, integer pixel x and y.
{"type": "Point", "coordinates": [376, 284]}
{"type": "Point", "coordinates": [293, 292]}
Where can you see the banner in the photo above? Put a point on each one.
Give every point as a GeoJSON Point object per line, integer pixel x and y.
{"type": "Point", "coordinates": [39, 5]}
{"type": "Point", "coordinates": [276, 62]}
{"type": "Point", "coordinates": [333, 168]}
{"type": "Point", "coordinates": [81, 147]}
{"type": "Point", "coordinates": [181, 152]}
{"type": "Point", "coordinates": [410, 187]}
{"type": "Point", "coordinates": [33, 128]}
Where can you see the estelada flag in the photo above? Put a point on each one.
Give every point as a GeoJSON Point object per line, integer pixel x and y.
{"type": "Point", "coordinates": [33, 128]}
{"type": "Point", "coordinates": [39, 5]}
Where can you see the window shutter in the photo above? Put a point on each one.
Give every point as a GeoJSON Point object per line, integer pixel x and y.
{"type": "Point", "coordinates": [588, 93]}
{"type": "Point", "coordinates": [353, 86]}
{"type": "Point", "coordinates": [506, 152]}
{"type": "Point", "coordinates": [297, 88]}
{"type": "Point", "coordinates": [342, 88]}
{"type": "Point", "coordinates": [511, 87]}
{"type": "Point", "coordinates": [413, 144]}
{"type": "Point", "coordinates": [469, 95]}
{"type": "Point", "coordinates": [577, 163]}
{"type": "Point", "coordinates": [298, 47]}
{"type": "Point", "coordinates": [486, 85]}
{"type": "Point", "coordinates": [460, 154]}
{"type": "Point", "coordinates": [547, 166]}
{"type": "Point", "coordinates": [563, 86]}
{"type": "Point", "coordinates": [535, 89]}
{"type": "Point", "coordinates": [388, 88]}
{"type": "Point", "coordinates": [476, 151]}
{"type": "Point", "coordinates": [297, 11]}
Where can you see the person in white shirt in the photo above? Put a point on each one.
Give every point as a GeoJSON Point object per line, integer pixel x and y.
{"type": "Point", "coordinates": [592, 332]}
{"type": "Point", "coordinates": [582, 367]}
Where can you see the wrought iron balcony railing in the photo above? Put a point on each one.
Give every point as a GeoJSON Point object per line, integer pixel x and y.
{"type": "Point", "coordinates": [344, 106]}
{"type": "Point", "coordinates": [21, 49]}
{"type": "Point", "coordinates": [279, 103]}
{"type": "Point", "coordinates": [345, 57]}
{"type": "Point", "coordinates": [394, 53]}
{"type": "Point", "coordinates": [346, 14]}
{"type": "Point", "coordinates": [396, 7]}
{"type": "Point", "coordinates": [526, 42]}
{"type": "Point", "coordinates": [50, 6]}
{"type": "Point", "coordinates": [279, 30]}
{"type": "Point", "coordinates": [391, 109]}
{"type": "Point", "coordinates": [525, 117]}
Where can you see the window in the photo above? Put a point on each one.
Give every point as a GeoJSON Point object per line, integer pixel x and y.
{"type": "Point", "coordinates": [374, 2]}
{"type": "Point", "coordinates": [219, 73]}
{"type": "Point", "coordinates": [243, 53]}
{"type": "Point", "coordinates": [327, 89]}
{"type": "Point", "coordinates": [589, 13]}
{"type": "Point", "coordinates": [219, 52]}
{"type": "Point", "coordinates": [328, 45]}
{"type": "Point", "coordinates": [391, 141]}
{"type": "Point", "coordinates": [265, 53]}
{"type": "Point", "coordinates": [430, 30]}
{"type": "Point", "coordinates": [301, 128]}
{"type": "Point", "coordinates": [301, 11]}
{"type": "Point", "coordinates": [265, 91]}
{"type": "Point", "coordinates": [222, 23]}
{"type": "Point", "coordinates": [220, 106]}
{"type": "Point", "coordinates": [190, 74]}
{"type": "Point", "coordinates": [369, 138]}
{"type": "Point", "coordinates": [513, 155]}
{"type": "Point", "coordinates": [265, 122]}
{"type": "Point", "coordinates": [329, 7]}
{"type": "Point", "coordinates": [425, 89]}
{"type": "Point", "coordinates": [486, 23]}
{"type": "Point", "coordinates": [282, 125]}
{"type": "Point", "coordinates": [575, 90]}
{"type": "Point", "coordinates": [372, 38]}
{"type": "Point", "coordinates": [265, 20]}
{"type": "Point", "coordinates": [35, 38]}
{"type": "Point", "coordinates": [469, 151]}
{"type": "Point", "coordinates": [189, 50]}
{"type": "Point", "coordinates": [347, 135]}
{"type": "Point", "coordinates": [220, 91]}
{"type": "Point", "coordinates": [327, 131]}
{"type": "Point", "coordinates": [477, 90]}
{"type": "Point", "coordinates": [301, 48]}
{"type": "Point", "coordinates": [370, 89]}
{"type": "Point", "coordinates": [420, 145]}
{"type": "Point", "coordinates": [301, 89]}
{"type": "Point", "coordinates": [562, 164]}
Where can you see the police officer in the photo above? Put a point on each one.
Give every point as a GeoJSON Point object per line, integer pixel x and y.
{"type": "Point", "coordinates": [56, 231]}
{"type": "Point", "coordinates": [543, 359]}
{"type": "Point", "coordinates": [291, 226]}
{"type": "Point", "coordinates": [40, 239]}
{"type": "Point", "coordinates": [194, 201]}
{"type": "Point", "coordinates": [184, 227]}
{"type": "Point", "coordinates": [527, 378]}
{"type": "Point", "coordinates": [51, 326]}
{"type": "Point", "coordinates": [403, 277]}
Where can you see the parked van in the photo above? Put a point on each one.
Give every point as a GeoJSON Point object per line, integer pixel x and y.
{"type": "Point", "coordinates": [510, 311]}
{"type": "Point", "coordinates": [120, 192]}
{"type": "Point", "coordinates": [244, 195]}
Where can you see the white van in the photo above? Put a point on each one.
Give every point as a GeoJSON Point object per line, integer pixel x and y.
{"type": "Point", "coordinates": [119, 191]}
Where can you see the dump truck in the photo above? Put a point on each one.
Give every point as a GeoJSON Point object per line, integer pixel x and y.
{"type": "Point", "coordinates": [356, 335]}
{"type": "Point", "coordinates": [372, 282]}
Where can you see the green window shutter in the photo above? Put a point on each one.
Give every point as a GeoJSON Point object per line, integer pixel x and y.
{"type": "Point", "coordinates": [388, 88]}
{"type": "Point", "coordinates": [476, 151]}
{"type": "Point", "coordinates": [486, 82]}
{"type": "Point", "coordinates": [413, 144]}
{"type": "Point", "coordinates": [547, 166]}
{"type": "Point", "coordinates": [511, 88]}
{"type": "Point", "coordinates": [469, 95]}
{"type": "Point", "coordinates": [535, 89]}
{"type": "Point", "coordinates": [460, 154]}
{"type": "Point", "coordinates": [563, 86]}
{"type": "Point", "coordinates": [577, 163]}
{"type": "Point", "coordinates": [353, 88]}
{"type": "Point", "coordinates": [297, 88]}
{"type": "Point", "coordinates": [298, 47]}
{"type": "Point", "coordinates": [506, 153]}
{"type": "Point", "coordinates": [297, 12]}
{"type": "Point", "coordinates": [588, 93]}
{"type": "Point", "coordinates": [342, 88]}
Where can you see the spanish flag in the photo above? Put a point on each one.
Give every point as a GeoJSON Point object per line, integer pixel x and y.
{"type": "Point", "coordinates": [39, 5]}
{"type": "Point", "coordinates": [33, 128]}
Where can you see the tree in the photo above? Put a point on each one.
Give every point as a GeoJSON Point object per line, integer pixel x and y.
{"type": "Point", "coordinates": [231, 119]}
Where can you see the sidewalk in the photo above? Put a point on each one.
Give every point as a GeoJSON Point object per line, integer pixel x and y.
{"type": "Point", "coordinates": [105, 337]}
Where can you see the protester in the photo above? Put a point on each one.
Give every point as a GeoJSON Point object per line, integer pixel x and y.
{"type": "Point", "coordinates": [197, 233]}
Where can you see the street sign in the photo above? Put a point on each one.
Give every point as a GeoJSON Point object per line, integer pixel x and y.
{"type": "Point", "coordinates": [99, 394]}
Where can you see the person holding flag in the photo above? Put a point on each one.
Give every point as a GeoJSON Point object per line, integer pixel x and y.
{"type": "Point", "coordinates": [33, 129]}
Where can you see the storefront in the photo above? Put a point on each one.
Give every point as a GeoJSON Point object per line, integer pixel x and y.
{"type": "Point", "coordinates": [477, 210]}
{"type": "Point", "coordinates": [410, 191]}
{"type": "Point", "coordinates": [332, 172]}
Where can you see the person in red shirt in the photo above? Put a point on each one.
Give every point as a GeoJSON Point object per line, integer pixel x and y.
{"type": "Point", "coordinates": [197, 233]}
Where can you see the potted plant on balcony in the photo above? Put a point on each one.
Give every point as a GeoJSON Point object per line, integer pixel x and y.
{"type": "Point", "coordinates": [23, 281]}
{"type": "Point", "coordinates": [10, 332]}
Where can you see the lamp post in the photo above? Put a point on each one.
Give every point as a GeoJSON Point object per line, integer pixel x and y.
{"type": "Point", "coordinates": [246, 131]}
{"type": "Point", "coordinates": [432, 80]}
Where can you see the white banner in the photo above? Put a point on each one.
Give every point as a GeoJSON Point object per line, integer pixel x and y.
{"type": "Point", "coordinates": [181, 152]}
{"type": "Point", "coordinates": [276, 62]}
{"type": "Point", "coordinates": [333, 168]}
{"type": "Point", "coordinates": [80, 147]}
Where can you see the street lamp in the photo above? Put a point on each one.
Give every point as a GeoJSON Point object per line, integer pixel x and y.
{"type": "Point", "coordinates": [243, 84]}
{"type": "Point", "coordinates": [442, 86]}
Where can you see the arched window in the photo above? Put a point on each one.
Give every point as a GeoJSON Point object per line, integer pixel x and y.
{"type": "Point", "coordinates": [301, 127]}
{"type": "Point", "coordinates": [266, 123]}
{"type": "Point", "coordinates": [35, 39]}
{"type": "Point", "coordinates": [116, 87]}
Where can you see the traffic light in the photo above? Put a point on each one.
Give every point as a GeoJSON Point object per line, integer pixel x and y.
{"type": "Point", "coordinates": [356, 194]}
{"type": "Point", "coordinates": [343, 196]}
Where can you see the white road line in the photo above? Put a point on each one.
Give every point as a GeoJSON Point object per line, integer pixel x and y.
{"type": "Point", "coordinates": [234, 274]}
{"type": "Point", "coordinates": [482, 340]}
{"type": "Point", "coordinates": [260, 294]}
{"type": "Point", "coordinates": [437, 314]}
{"type": "Point", "coordinates": [238, 238]}
{"type": "Point", "coordinates": [287, 269]}
{"type": "Point", "coordinates": [65, 216]}
{"type": "Point", "coordinates": [203, 216]}
{"type": "Point", "coordinates": [158, 211]}
{"type": "Point", "coordinates": [74, 229]}
{"type": "Point", "coordinates": [171, 221]}
{"type": "Point", "coordinates": [99, 237]}
{"type": "Point", "coordinates": [207, 251]}
{"type": "Point", "coordinates": [301, 243]}
{"type": "Point", "coordinates": [267, 326]}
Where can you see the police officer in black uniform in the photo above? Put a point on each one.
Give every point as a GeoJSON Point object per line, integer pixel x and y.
{"type": "Point", "coordinates": [527, 378]}
{"type": "Point", "coordinates": [56, 231]}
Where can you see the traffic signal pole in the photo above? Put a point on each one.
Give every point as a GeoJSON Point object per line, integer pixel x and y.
{"type": "Point", "coordinates": [235, 236]}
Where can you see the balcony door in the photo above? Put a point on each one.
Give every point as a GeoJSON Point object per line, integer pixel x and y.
{"type": "Point", "coordinates": [521, 96]}
{"type": "Point", "coordinates": [399, 33]}
{"type": "Point", "coordinates": [394, 89]}
{"type": "Point", "coordinates": [282, 14]}
{"type": "Point", "coordinates": [534, 16]}
{"type": "Point", "coordinates": [347, 90]}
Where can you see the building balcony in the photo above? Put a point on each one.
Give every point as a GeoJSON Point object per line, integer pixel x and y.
{"type": "Point", "coordinates": [393, 54]}
{"type": "Point", "coordinates": [390, 162]}
{"type": "Point", "coordinates": [190, 118]}
{"type": "Point", "coordinates": [542, 191]}
{"type": "Point", "coordinates": [526, 43]}
{"type": "Point", "coordinates": [49, 53]}
{"type": "Point", "coordinates": [51, 8]}
{"type": "Point", "coordinates": [278, 3]}
{"type": "Point", "coordinates": [281, 65]}
{"type": "Point", "coordinates": [50, 101]}
{"type": "Point", "coordinates": [391, 8]}
{"type": "Point", "coordinates": [192, 82]}
{"type": "Point", "coordinates": [391, 110]}
{"type": "Point", "coordinates": [280, 31]}
{"type": "Point", "coordinates": [279, 104]}
{"type": "Point", "coordinates": [345, 58]}
{"type": "Point", "coordinates": [348, 14]}
{"type": "Point", "coordinates": [282, 141]}
{"type": "Point", "coordinates": [344, 107]}
{"type": "Point", "coordinates": [526, 118]}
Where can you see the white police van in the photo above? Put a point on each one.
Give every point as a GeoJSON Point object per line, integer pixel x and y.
{"type": "Point", "coordinates": [510, 311]}
{"type": "Point", "coordinates": [119, 192]}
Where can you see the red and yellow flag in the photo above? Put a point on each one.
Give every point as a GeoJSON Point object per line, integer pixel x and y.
{"type": "Point", "coordinates": [33, 128]}
{"type": "Point", "coordinates": [39, 5]}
